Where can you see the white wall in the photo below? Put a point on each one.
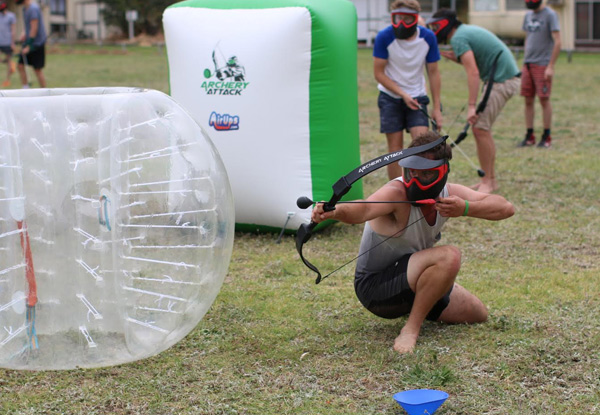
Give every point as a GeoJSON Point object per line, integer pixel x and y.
{"type": "Point", "coordinates": [373, 15]}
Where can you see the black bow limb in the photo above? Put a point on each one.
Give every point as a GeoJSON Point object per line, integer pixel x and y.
{"type": "Point", "coordinates": [343, 185]}
{"type": "Point", "coordinates": [482, 104]}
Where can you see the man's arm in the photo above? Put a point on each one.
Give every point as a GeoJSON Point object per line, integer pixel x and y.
{"type": "Point", "coordinates": [33, 30]}
{"type": "Point", "coordinates": [435, 85]}
{"type": "Point", "coordinates": [380, 76]}
{"type": "Point", "coordinates": [13, 34]}
{"type": "Point", "coordinates": [449, 54]}
{"type": "Point", "coordinates": [549, 72]}
{"type": "Point", "coordinates": [467, 60]}
{"type": "Point", "coordinates": [355, 213]}
{"type": "Point", "coordinates": [480, 205]}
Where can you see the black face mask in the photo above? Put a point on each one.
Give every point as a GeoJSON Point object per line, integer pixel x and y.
{"type": "Point", "coordinates": [402, 32]}
{"type": "Point", "coordinates": [532, 4]}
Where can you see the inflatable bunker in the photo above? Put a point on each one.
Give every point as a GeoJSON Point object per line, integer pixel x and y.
{"type": "Point", "coordinates": [274, 82]}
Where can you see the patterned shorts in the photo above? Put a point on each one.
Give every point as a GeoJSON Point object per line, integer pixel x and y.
{"type": "Point", "coordinates": [533, 82]}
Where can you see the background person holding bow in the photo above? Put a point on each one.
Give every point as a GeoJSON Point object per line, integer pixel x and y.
{"type": "Point", "coordinates": [399, 270]}
{"type": "Point", "coordinates": [402, 53]}
{"type": "Point", "coordinates": [481, 53]}
{"type": "Point", "coordinates": [33, 41]}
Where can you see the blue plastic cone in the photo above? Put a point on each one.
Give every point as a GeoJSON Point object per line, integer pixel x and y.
{"type": "Point", "coordinates": [421, 401]}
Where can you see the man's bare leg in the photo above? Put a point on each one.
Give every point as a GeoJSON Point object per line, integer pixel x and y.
{"type": "Point", "coordinates": [529, 111]}
{"type": "Point", "coordinates": [464, 307]}
{"type": "Point", "coordinates": [486, 152]}
{"type": "Point", "coordinates": [546, 112]}
{"type": "Point", "coordinates": [41, 78]}
{"type": "Point", "coordinates": [22, 74]}
{"type": "Point", "coordinates": [395, 143]}
{"type": "Point", "coordinates": [430, 273]}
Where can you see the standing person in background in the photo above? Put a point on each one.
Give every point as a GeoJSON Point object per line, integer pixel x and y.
{"type": "Point", "coordinates": [542, 47]}
{"type": "Point", "coordinates": [34, 43]}
{"type": "Point", "coordinates": [401, 53]}
{"type": "Point", "coordinates": [478, 51]}
{"type": "Point", "coordinates": [7, 39]}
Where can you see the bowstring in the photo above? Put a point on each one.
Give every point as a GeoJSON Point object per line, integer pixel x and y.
{"type": "Point", "coordinates": [447, 132]}
{"type": "Point", "coordinates": [378, 244]}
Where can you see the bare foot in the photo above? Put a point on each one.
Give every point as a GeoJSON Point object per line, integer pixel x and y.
{"type": "Point", "coordinates": [488, 187]}
{"type": "Point", "coordinates": [475, 186]}
{"type": "Point", "coordinates": [405, 342]}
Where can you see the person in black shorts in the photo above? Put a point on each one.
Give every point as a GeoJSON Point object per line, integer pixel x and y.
{"type": "Point", "coordinates": [400, 271]}
{"type": "Point", "coordinates": [7, 39]}
{"type": "Point", "coordinates": [33, 52]}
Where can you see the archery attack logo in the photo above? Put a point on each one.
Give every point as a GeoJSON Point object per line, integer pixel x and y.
{"type": "Point", "coordinates": [224, 122]}
{"type": "Point", "coordinates": [229, 75]}
{"type": "Point", "coordinates": [533, 25]}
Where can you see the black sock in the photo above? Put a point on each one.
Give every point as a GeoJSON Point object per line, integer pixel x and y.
{"type": "Point", "coordinates": [546, 133]}
{"type": "Point", "coordinates": [529, 132]}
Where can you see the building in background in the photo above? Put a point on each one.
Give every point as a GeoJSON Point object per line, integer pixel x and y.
{"type": "Point", "coordinates": [579, 19]}
{"type": "Point", "coordinates": [374, 15]}
{"type": "Point", "coordinates": [69, 20]}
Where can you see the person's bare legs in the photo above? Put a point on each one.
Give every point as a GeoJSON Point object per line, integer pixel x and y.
{"type": "Point", "coordinates": [395, 143]}
{"type": "Point", "coordinates": [486, 152]}
{"type": "Point", "coordinates": [9, 70]}
{"type": "Point", "coordinates": [546, 112]}
{"type": "Point", "coordinates": [41, 78]}
{"type": "Point", "coordinates": [430, 274]}
{"type": "Point", "coordinates": [22, 74]}
{"type": "Point", "coordinates": [529, 111]}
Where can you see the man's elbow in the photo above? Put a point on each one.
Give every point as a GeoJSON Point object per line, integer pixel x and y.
{"type": "Point", "coordinates": [509, 210]}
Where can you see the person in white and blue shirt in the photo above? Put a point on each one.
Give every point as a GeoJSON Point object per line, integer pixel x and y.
{"type": "Point", "coordinates": [402, 53]}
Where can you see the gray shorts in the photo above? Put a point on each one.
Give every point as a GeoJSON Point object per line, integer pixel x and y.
{"type": "Point", "coordinates": [395, 116]}
{"type": "Point", "coordinates": [387, 293]}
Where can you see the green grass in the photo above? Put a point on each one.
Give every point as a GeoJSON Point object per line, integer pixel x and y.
{"type": "Point", "coordinates": [275, 343]}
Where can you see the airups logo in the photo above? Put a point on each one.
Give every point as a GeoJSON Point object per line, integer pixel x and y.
{"type": "Point", "coordinates": [224, 122]}
{"type": "Point", "coordinates": [227, 77]}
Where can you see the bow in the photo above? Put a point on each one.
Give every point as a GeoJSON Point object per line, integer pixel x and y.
{"type": "Point", "coordinates": [482, 104]}
{"type": "Point", "coordinates": [343, 185]}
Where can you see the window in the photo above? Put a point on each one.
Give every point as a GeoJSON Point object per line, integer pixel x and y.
{"type": "Point", "coordinates": [515, 5]}
{"type": "Point", "coordinates": [426, 6]}
{"type": "Point", "coordinates": [587, 22]}
{"type": "Point", "coordinates": [58, 7]}
{"type": "Point", "coordinates": [485, 5]}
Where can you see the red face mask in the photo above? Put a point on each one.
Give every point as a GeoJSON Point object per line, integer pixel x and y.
{"type": "Point", "coordinates": [424, 179]}
{"type": "Point", "coordinates": [437, 27]}
{"type": "Point", "coordinates": [405, 19]}
{"type": "Point", "coordinates": [441, 27]}
{"type": "Point", "coordinates": [404, 22]}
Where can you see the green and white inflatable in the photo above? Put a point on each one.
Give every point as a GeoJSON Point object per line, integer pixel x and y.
{"type": "Point", "coordinates": [274, 82]}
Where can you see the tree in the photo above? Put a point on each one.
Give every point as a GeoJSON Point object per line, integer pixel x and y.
{"type": "Point", "coordinates": [149, 14]}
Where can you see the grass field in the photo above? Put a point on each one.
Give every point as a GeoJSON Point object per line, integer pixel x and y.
{"type": "Point", "coordinates": [275, 343]}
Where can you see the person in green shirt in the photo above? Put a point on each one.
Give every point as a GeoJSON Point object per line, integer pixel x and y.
{"type": "Point", "coordinates": [478, 51]}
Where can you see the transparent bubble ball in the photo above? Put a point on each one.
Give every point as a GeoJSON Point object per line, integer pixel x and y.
{"type": "Point", "coordinates": [116, 226]}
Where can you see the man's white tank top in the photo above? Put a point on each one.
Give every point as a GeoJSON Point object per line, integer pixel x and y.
{"type": "Point", "coordinates": [416, 237]}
